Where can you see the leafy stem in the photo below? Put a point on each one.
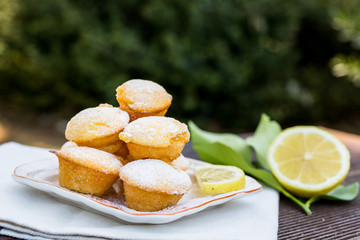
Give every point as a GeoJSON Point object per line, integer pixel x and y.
{"type": "Point", "coordinates": [304, 206]}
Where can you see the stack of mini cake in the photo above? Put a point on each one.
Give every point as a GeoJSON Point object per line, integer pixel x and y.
{"type": "Point", "coordinates": [134, 142]}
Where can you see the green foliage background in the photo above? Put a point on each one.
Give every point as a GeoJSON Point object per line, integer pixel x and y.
{"type": "Point", "coordinates": [224, 62]}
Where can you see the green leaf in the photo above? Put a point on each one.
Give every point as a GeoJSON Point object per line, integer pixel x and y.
{"type": "Point", "coordinates": [264, 134]}
{"type": "Point", "coordinates": [340, 193]}
{"type": "Point", "coordinates": [218, 153]}
{"type": "Point", "coordinates": [230, 149]}
{"type": "Point", "coordinates": [238, 144]}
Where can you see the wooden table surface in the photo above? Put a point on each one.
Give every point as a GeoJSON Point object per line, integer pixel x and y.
{"type": "Point", "coordinates": [330, 219]}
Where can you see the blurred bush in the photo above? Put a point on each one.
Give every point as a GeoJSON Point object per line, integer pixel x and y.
{"type": "Point", "coordinates": [224, 62]}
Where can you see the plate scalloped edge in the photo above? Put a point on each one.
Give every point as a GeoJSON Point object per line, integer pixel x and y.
{"type": "Point", "coordinates": [42, 175]}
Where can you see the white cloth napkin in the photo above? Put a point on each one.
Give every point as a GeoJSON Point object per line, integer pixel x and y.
{"type": "Point", "coordinates": [28, 213]}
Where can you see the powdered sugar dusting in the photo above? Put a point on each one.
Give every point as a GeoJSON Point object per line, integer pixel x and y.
{"type": "Point", "coordinates": [144, 95]}
{"type": "Point", "coordinates": [92, 123]}
{"type": "Point", "coordinates": [93, 158]}
{"type": "Point", "coordinates": [155, 131]}
{"type": "Point", "coordinates": [181, 163]}
{"type": "Point", "coordinates": [68, 144]}
{"type": "Point", "coordinates": [155, 175]}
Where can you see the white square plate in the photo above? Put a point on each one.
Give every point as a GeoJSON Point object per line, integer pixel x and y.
{"type": "Point", "coordinates": [43, 175]}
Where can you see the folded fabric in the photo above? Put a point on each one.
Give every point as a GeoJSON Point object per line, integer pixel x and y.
{"type": "Point", "coordinates": [28, 213]}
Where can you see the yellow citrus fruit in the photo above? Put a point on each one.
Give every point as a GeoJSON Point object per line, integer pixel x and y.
{"type": "Point", "coordinates": [308, 160]}
{"type": "Point", "coordinates": [216, 179]}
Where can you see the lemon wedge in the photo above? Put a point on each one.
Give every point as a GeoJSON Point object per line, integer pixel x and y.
{"type": "Point", "coordinates": [217, 179]}
{"type": "Point", "coordinates": [308, 161]}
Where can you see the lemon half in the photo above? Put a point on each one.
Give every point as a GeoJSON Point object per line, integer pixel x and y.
{"type": "Point", "coordinates": [308, 160]}
{"type": "Point", "coordinates": [217, 179]}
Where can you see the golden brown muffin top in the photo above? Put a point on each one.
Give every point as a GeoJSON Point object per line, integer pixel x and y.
{"type": "Point", "coordinates": [143, 96]}
{"type": "Point", "coordinates": [155, 131]}
{"type": "Point", "coordinates": [96, 122]}
{"type": "Point", "coordinates": [155, 176]}
{"type": "Point", "coordinates": [92, 158]}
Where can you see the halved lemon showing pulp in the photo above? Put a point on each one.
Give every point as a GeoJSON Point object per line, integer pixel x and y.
{"type": "Point", "coordinates": [217, 179]}
{"type": "Point", "coordinates": [308, 161]}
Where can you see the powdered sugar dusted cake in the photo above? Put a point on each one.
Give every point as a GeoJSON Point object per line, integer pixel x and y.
{"type": "Point", "coordinates": [155, 137]}
{"type": "Point", "coordinates": [87, 170]}
{"type": "Point", "coordinates": [142, 98]}
{"type": "Point", "coordinates": [96, 126]}
{"type": "Point", "coordinates": [99, 127]}
{"type": "Point", "coordinates": [151, 184]}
